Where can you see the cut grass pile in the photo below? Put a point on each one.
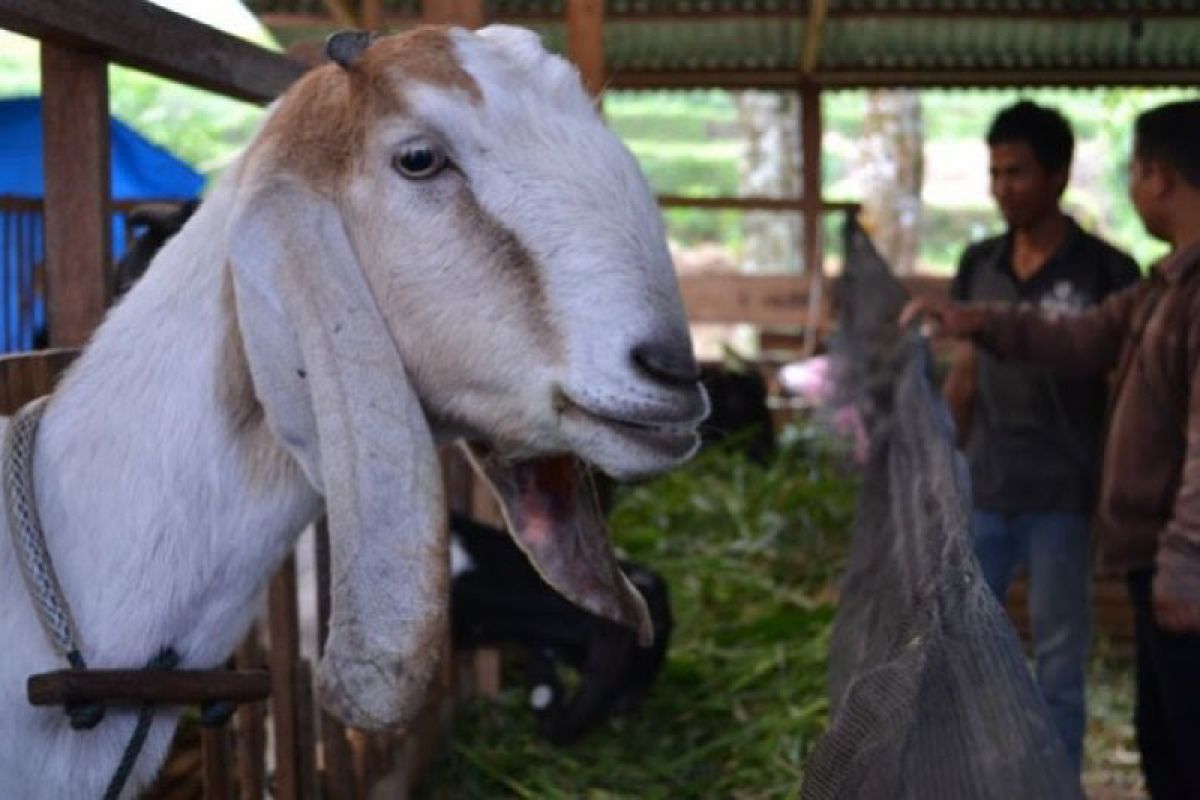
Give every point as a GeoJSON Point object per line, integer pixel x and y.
{"type": "Point", "coordinates": [749, 552]}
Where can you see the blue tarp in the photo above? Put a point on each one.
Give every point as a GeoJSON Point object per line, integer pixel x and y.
{"type": "Point", "coordinates": [141, 171]}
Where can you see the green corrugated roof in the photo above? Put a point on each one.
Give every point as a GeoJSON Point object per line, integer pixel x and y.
{"type": "Point", "coordinates": [864, 42]}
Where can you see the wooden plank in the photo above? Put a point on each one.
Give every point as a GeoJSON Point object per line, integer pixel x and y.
{"type": "Point", "coordinates": [752, 203]}
{"type": "Point", "coordinates": [25, 376]}
{"type": "Point", "coordinates": [284, 635]}
{"type": "Point", "coordinates": [78, 217]}
{"type": "Point", "coordinates": [467, 13]}
{"type": "Point", "coordinates": [370, 15]}
{"type": "Point", "coordinates": [814, 249]}
{"type": "Point", "coordinates": [814, 30]}
{"type": "Point", "coordinates": [306, 728]}
{"type": "Point", "coordinates": [145, 36]}
{"type": "Point", "coordinates": [249, 722]}
{"type": "Point", "coordinates": [341, 14]}
{"type": "Point", "coordinates": [768, 300]}
{"type": "Point", "coordinates": [218, 763]}
{"type": "Point", "coordinates": [760, 299]}
{"type": "Point", "coordinates": [585, 42]}
{"type": "Point", "coordinates": [136, 686]}
{"type": "Point", "coordinates": [337, 775]}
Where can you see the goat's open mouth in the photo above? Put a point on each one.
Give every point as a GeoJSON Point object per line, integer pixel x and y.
{"type": "Point", "coordinates": [552, 510]}
{"type": "Point", "coordinates": [664, 435]}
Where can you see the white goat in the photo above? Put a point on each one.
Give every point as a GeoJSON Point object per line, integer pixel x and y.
{"type": "Point", "coordinates": [437, 237]}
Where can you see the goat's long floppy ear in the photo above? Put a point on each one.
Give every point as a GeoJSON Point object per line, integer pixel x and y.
{"type": "Point", "coordinates": [332, 383]}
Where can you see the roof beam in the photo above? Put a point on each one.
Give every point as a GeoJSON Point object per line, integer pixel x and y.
{"type": "Point", "coordinates": [814, 30]}
{"type": "Point", "coordinates": [467, 13]}
{"type": "Point", "coordinates": [342, 15]}
{"type": "Point", "coordinates": [144, 36]}
{"type": "Point", "coordinates": [585, 42]}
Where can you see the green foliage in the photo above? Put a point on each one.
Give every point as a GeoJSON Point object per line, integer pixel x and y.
{"type": "Point", "coordinates": [202, 128]}
{"type": "Point", "coordinates": [688, 144]}
{"type": "Point", "coordinates": [748, 552]}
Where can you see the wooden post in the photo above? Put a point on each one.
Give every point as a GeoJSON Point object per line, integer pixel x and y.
{"type": "Point", "coordinates": [810, 144]}
{"type": "Point", "coordinates": [284, 635]}
{"type": "Point", "coordinates": [370, 15]}
{"type": "Point", "coordinates": [249, 738]}
{"type": "Point", "coordinates": [78, 216]}
{"type": "Point", "coordinates": [466, 13]}
{"type": "Point", "coordinates": [218, 763]}
{"type": "Point", "coordinates": [338, 779]}
{"type": "Point", "coordinates": [585, 42]}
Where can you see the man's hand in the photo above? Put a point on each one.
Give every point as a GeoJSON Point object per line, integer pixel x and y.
{"type": "Point", "coordinates": [944, 317]}
{"type": "Point", "coordinates": [1175, 614]}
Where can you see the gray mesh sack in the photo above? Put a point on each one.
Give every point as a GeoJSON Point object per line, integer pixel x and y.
{"type": "Point", "coordinates": [930, 695]}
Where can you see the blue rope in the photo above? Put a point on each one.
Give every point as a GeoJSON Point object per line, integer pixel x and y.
{"type": "Point", "coordinates": [166, 660]}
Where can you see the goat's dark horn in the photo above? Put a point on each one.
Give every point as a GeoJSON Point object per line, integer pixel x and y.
{"type": "Point", "coordinates": [345, 47]}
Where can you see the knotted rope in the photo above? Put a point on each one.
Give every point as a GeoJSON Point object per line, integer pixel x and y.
{"type": "Point", "coordinates": [25, 527]}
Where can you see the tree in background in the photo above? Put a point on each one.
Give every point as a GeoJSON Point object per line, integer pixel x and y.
{"type": "Point", "coordinates": [892, 167]}
{"type": "Point", "coordinates": [769, 165]}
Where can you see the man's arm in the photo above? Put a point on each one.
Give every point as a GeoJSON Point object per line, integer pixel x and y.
{"type": "Point", "coordinates": [1077, 345]}
{"type": "Point", "coordinates": [959, 390]}
{"type": "Point", "coordinates": [1177, 579]}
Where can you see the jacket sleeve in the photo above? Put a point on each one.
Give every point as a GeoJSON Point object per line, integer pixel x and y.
{"type": "Point", "coordinates": [1178, 560]}
{"type": "Point", "coordinates": [1076, 345]}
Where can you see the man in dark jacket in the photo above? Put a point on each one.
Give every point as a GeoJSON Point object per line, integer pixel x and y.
{"type": "Point", "coordinates": [1031, 437]}
{"type": "Point", "coordinates": [1148, 513]}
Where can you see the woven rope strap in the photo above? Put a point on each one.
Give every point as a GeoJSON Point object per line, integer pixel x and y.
{"type": "Point", "coordinates": [26, 531]}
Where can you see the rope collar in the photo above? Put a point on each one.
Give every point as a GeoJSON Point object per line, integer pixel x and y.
{"type": "Point", "coordinates": [37, 568]}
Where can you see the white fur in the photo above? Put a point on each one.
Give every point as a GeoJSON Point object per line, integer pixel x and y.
{"type": "Point", "coordinates": [162, 520]}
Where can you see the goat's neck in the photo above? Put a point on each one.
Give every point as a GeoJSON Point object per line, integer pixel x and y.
{"type": "Point", "coordinates": [165, 501]}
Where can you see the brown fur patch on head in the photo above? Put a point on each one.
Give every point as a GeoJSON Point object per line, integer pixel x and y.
{"type": "Point", "coordinates": [319, 129]}
{"type": "Point", "coordinates": [516, 265]}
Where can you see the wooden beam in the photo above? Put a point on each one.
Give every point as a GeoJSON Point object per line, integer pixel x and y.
{"type": "Point", "coordinates": [467, 13]}
{"type": "Point", "coordinates": [78, 217]}
{"type": "Point", "coordinates": [342, 14]}
{"type": "Point", "coordinates": [755, 299]}
{"type": "Point", "coordinates": [142, 35]}
{"type": "Point", "coordinates": [950, 78]}
{"type": "Point", "coordinates": [771, 79]}
{"type": "Point", "coordinates": [283, 661]}
{"type": "Point", "coordinates": [810, 145]}
{"type": "Point", "coordinates": [585, 42]}
{"type": "Point", "coordinates": [752, 203]}
{"type": "Point", "coordinates": [705, 79]}
{"type": "Point", "coordinates": [814, 30]}
{"type": "Point", "coordinates": [770, 300]}
{"type": "Point", "coordinates": [370, 15]}
{"type": "Point", "coordinates": [136, 686]}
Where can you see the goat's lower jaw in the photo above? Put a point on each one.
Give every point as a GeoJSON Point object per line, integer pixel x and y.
{"type": "Point", "coordinates": [553, 513]}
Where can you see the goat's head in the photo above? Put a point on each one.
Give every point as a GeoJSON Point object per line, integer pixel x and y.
{"type": "Point", "coordinates": [438, 236]}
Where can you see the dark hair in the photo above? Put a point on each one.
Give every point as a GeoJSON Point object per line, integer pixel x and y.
{"type": "Point", "coordinates": [1045, 130]}
{"type": "Point", "coordinates": [1171, 134]}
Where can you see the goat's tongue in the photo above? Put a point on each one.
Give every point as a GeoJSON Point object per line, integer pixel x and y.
{"type": "Point", "coordinates": [551, 509]}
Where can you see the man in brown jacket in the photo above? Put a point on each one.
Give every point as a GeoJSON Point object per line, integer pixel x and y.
{"type": "Point", "coordinates": [1148, 514]}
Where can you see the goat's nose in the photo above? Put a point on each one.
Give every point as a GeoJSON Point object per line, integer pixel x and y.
{"type": "Point", "coordinates": [672, 364]}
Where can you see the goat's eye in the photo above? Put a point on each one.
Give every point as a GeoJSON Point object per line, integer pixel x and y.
{"type": "Point", "coordinates": [419, 160]}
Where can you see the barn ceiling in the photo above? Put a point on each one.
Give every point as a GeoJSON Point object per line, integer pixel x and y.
{"type": "Point", "coordinates": [845, 43]}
